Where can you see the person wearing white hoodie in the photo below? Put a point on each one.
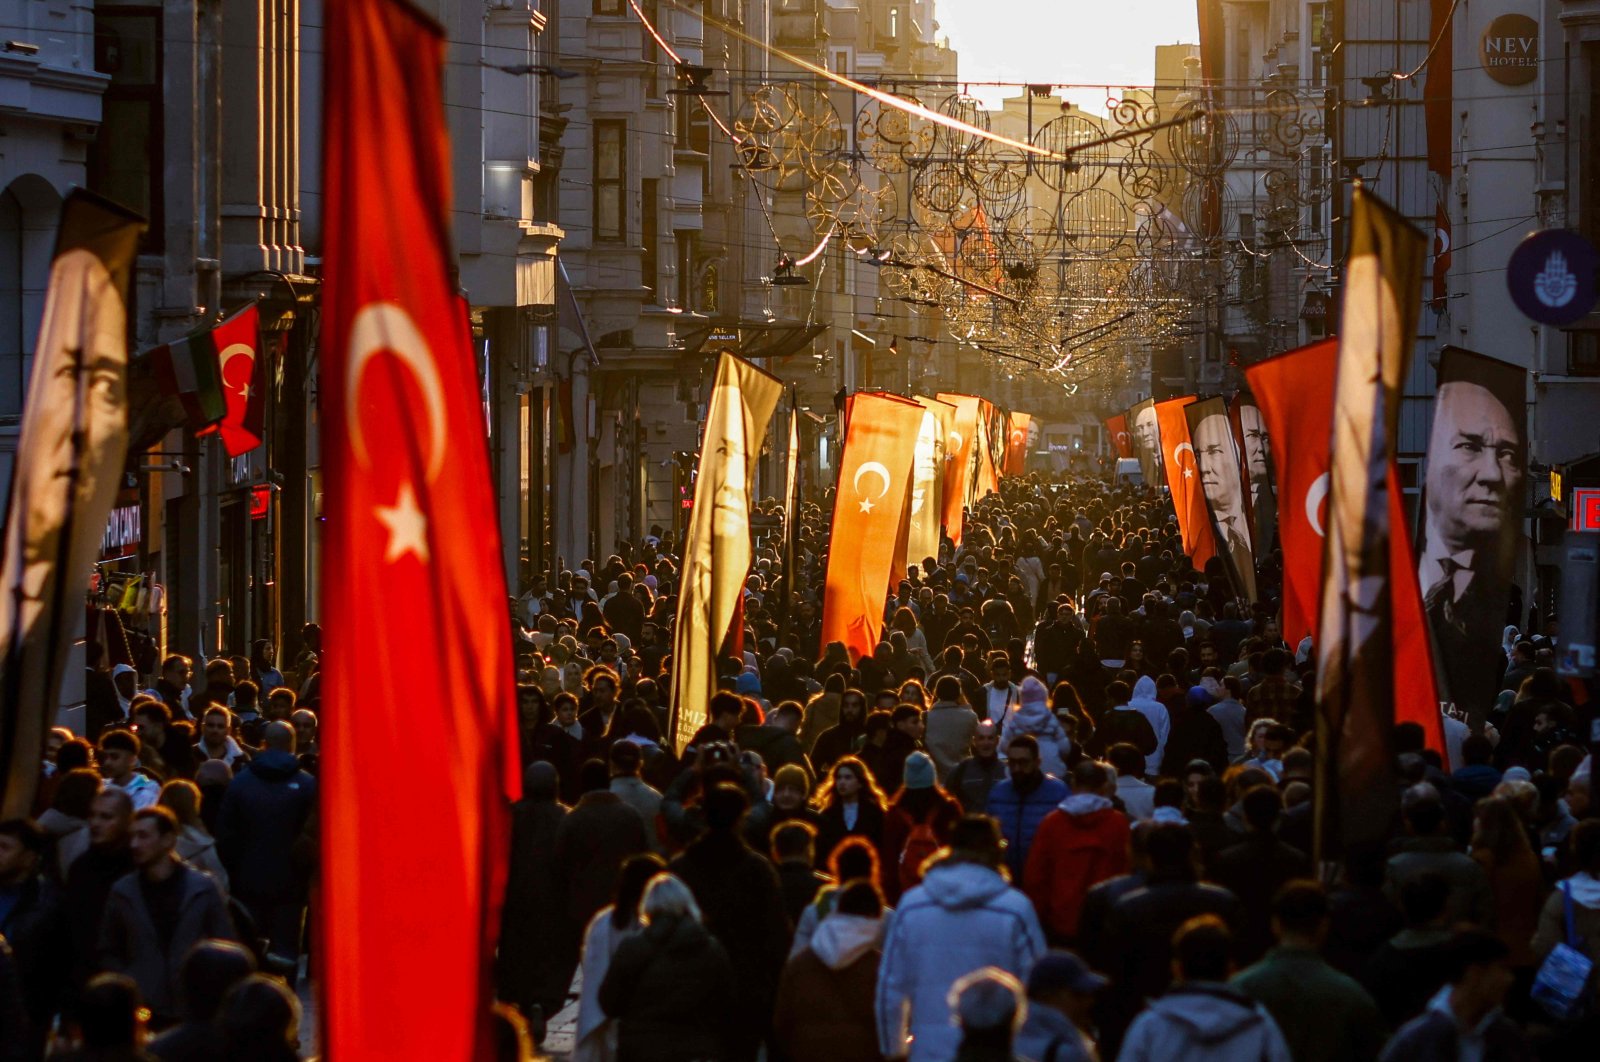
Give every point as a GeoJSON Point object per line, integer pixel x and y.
{"type": "Point", "coordinates": [1032, 715]}
{"type": "Point", "coordinates": [1145, 703]}
{"type": "Point", "coordinates": [1201, 1019]}
{"type": "Point", "coordinates": [963, 917]}
{"type": "Point", "coordinates": [824, 1011]}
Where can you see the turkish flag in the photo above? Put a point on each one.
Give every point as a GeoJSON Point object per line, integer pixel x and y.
{"type": "Point", "coordinates": [1117, 432]}
{"type": "Point", "coordinates": [869, 509]}
{"type": "Point", "coordinates": [988, 479]}
{"type": "Point", "coordinates": [1295, 394]}
{"type": "Point", "coordinates": [1017, 443]}
{"type": "Point", "coordinates": [411, 532]}
{"type": "Point", "coordinates": [1183, 479]}
{"type": "Point", "coordinates": [238, 351]}
{"type": "Point", "coordinates": [959, 458]}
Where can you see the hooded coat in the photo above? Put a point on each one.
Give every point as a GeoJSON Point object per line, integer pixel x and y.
{"type": "Point", "coordinates": [824, 1011]}
{"type": "Point", "coordinates": [668, 987]}
{"type": "Point", "coordinates": [1144, 702]}
{"type": "Point", "coordinates": [1080, 844]}
{"type": "Point", "coordinates": [262, 815]}
{"type": "Point", "coordinates": [1204, 1022]}
{"type": "Point", "coordinates": [1032, 715]}
{"type": "Point", "coordinates": [963, 917]}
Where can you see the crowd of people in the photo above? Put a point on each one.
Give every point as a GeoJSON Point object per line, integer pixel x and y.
{"type": "Point", "coordinates": [1064, 810]}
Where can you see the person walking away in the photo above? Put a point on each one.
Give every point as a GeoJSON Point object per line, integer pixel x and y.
{"type": "Point", "coordinates": [196, 846]}
{"type": "Point", "coordinates": [1032, 716]}
{"type": "Point", "coordinates": [1138, 796]}
{"type": "Point", "coordinates": [742, 901]}
{"type": "Point", "coordinates": [538, 949]}
{"type": "Point", "coordinates": [950, 725]}
{"type": "Point", "coordinates": [626, 761]}
{"type": "Point", "coordinates": [1324, 1015]}
{"type": "Point", "coordinates": [1500, 846]}
{"type": "Point", "coordinates": [1083, 842]}
{"type": "Point", "coordinates": [1022, 800]}
{"type": "Point", "coordinates": [917, 824]}
{"type": "Point", "coordinates": [592, 843]}
{"type": "Point", "coordinates": [1202, 1019]}
{"type": "Point", "coordinates": [988, 1006]}
{"type": "Point", "coordinates": [1464, 1019]}
{"type": "Point", "coordinates": [209, 971]}
{"type": "Point", "coordinates": [1123, 724]}
{"type": "Point", "coordinates": [1257, 867]}
{"type": "Point", "coordinates": [1147, 704]}
{"type": "Point", "coordinates": [1578, 894]}
{"type": "Point", "coordinates": [595, 1039]}
{"type": "Point", "coordinates": [824, 1010]}
{"type": "Point", "coordinates": [963, 917]}
{"type": "Point", "coordinates": [1059, 1026]}
{"type": "Point", "coordinates": [670, 985]}
{"type": "Point", "coordinates": [262, 817]}
{"type": "Point", "coordinates": [794, 855]}
{"type": "Point", "coordinates": [156, 914]}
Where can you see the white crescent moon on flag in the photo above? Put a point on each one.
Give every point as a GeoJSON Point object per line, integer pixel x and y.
{"type": "Point", "coordinates": [1180, 448]}
{"type": "Point", "coordinates": [956, 435]}
{"type": "Point", "coordinates": [384, 326]}
{"type": "Point", "coordinates": [1314, 495]}
{"type": "Point", "coordinates": [233, 350]}
{"type": "Point", "coordinates": [1122, 438]}
{"type": "Point", "coordinates": [877, 469]}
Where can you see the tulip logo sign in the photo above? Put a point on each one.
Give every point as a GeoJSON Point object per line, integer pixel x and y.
{"type": "Point", "coordinates": [1551, 276]}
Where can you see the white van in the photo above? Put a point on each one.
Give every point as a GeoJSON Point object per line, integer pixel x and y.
{"type": "Point", "coordinates": [1129, 471]}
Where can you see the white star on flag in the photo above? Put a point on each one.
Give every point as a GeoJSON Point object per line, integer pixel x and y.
{"type": "Point", "coordinates": [408, 528]}
{"type": "Point", "coordinates": [866, 505]}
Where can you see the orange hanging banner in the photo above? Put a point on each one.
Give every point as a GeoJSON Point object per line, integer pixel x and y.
{"type": "Point", "coordinates": [1183, 478]}
{"type": "Point", "coordinates": [958, 455]}
{"type": "Point", "coordinates": [1017, 444]}
{"type": "Point", "coordinates": [869, 510]}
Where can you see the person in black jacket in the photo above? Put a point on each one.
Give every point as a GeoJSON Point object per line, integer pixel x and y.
{"type": "Point", "coordinates": [538, 946]}
{"type": "Point", "coordinates": [32, 925]}
{"type": "Point", "coordinates": [211, 968]}
{"type": "Point", "coordinates": [92, 875]}
{"type": "Point", "coordinates": [262, 816]}
{"type": "Point", "coordinates": [1195, 735]}
{"type": "Point", "coordinates": [743, 903]}
{"type": "Point", "coordinates": [669, 985]}
{"type": "Point", "coordinates": [1256, 868]}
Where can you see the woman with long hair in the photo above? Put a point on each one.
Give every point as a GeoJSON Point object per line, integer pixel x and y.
{"type": "Point", "coordinates": [916, 825]}
{"type": "Point", "coordinates": [822, 714]}
{"type": "Point", "coordinates": [264, 666]}
{"type": "Point", "coordinates": [196, 846]}
{"type": "Point", "coordinates": [840, 739]}
{"type": "Point", "coordinates": [851, 805]}
{"type": "Point", "coordinates": [592, 618]}
{"type": "Point", "coordinates": [1500, 846]}
{"type": "Point", "coordinates": [905, 621]}
{"type": "Point", "coordinates": [913, 692]}
{"type": "Point", "coordinates": [596, 1035]}
{"type": "Point", "coordinates": [1067, 706]}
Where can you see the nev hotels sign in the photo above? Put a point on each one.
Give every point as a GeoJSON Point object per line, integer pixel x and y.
{"type": "Point", "coordinates": [1509, 49]}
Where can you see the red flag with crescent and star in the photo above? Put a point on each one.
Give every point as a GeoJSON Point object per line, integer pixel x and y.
{"type": "Point", "coordinates": [1117, 432]}
{"type": "Point", "coordinates": [1295, 394]}
{"type": "Point", "coordinates": [959, 462]}
{"type": "Point", "coordinates": [411, 532]}
{"type": "Point", "coordinates": [1183, 479]}
{"type": "Point", "coordinates": [868, 510]}
{"type": "Point", "coordinates": [237, 341]}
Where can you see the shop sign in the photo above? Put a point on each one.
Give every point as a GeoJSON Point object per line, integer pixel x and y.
{"type": "Point", "coordinates": [124, 531]}
{"type": "Point", "coordinates": [1586, 509]}
{"type": "Point", "coordinates": [1509, 50]}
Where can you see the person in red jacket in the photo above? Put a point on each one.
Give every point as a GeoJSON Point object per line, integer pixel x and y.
{"type": "Point", "coordinates": [1080, 844]}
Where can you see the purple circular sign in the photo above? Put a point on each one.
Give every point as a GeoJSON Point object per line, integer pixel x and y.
{"type": "Point", "coordinates": [1551, 276]}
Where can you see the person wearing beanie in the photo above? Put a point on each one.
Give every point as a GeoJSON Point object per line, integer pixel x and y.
{"type": "Point", "coordinates": [989, 1006]}
{"type": "Point", "coordinates": [918, 824]}
{"type": "Point", "coordinates": [1032, 715]}
{"type": "Point", "coordinates": [791, 802]}
{"type": "Point", "coordinates": [1061, 996]}
{"type": "Point", "coordinates": [739, 894]}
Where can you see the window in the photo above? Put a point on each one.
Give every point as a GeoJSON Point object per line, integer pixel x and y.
{"type": "Point", "coordinates": [610, 180]}
{"type": "Point", "coordinates": [125, 161]}
{"type": "Point", "coordinates": [650, 263]}
{"type": "Point", "coordinates": [894, 23]}
{"type": "Point", "coordinates": [650, 50]}
{"type": "Point", "coordinates": [615, 8]}
{"type": "Point", "coordinates": [687, 240]}
{"type": "Point", "coordinates": [693, 127]}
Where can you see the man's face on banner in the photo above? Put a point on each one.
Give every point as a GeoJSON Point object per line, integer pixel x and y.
{"type": "Point", "coordinates": [1257, 450]}
{"type": "Point", "coordinates": [1145, 432]}
{"type": "Point", "coordinates": [925, 462]}
{"type": "Point", "coordinates": [1474, 464]}
{"type": "Point", "coordinates": [1213, 448]}
{"type": "Point", "coordinates": [731, 513]}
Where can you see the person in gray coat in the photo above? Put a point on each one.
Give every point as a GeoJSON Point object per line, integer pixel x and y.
{"type": "Point", "coordinates": [157, 913]}
{"type": "Point", "coordinates": [1201, 1019]}
{"type": "Point", "coordinates": [626, 760]}
{"type": "Point", "coordinates": [950, 724]}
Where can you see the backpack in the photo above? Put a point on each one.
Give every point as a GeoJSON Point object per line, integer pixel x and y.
{"type": "Point", "coordinates": [920, 845]}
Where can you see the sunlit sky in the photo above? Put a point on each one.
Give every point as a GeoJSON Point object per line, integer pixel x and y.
{"type": "Point", "coordinates": [1088, 42]}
